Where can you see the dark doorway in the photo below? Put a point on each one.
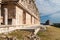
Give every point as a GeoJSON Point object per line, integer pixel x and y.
{"type": "Point", "coordinates": [9, 21]}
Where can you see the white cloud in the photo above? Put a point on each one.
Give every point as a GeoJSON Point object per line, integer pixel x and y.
{"type": "Point", "coordinates": [51, 8]}
{"type": "Point", "coordinates": [57, 15]}
{"type": "Point", "coordinates": [47, 6]}
{"type": "Point", "coordinates": [56, 1]}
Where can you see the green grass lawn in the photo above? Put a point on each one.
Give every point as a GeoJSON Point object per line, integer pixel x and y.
{"type": "Point", "coordinates": [52, 33]}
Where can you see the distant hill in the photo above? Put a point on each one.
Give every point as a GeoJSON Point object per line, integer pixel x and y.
{"type": "Point", "coordinates": [56, 24]}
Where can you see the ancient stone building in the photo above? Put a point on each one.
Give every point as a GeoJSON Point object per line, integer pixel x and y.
{"type": "Point", "coordinates": [18, 12]}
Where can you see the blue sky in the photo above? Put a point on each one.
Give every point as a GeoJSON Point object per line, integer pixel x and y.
{"type": "Point", "coordinates": [49, 9]}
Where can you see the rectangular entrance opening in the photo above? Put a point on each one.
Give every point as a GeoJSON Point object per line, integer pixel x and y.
{"type": "Point", "coordinates": [9, 21]}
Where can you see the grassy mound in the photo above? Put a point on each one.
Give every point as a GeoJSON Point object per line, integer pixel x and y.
{"type": "Point", "coordinates": [52, 33]}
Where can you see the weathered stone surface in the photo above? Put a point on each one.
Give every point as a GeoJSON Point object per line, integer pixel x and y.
{"type": "Point", "coordinates": [17, 10]}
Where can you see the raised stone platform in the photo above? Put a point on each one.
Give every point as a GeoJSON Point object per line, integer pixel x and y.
{"type": "Point", "coordinates": [9, 28]}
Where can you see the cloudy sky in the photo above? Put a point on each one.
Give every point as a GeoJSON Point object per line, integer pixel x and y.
{"type": "Point", "coordinates": [49, 9]}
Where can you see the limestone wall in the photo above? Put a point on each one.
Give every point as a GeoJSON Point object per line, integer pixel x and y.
{"type": "Point", "coordinates": [28, 19]}
{"type": "Point", "coordinates": [19, 16]}
{"type": "Point", "coordinates": [30, 5]}
{"type": "Point", "coordinates": [32, 20]}
{"type": "Point", "coordinates": [16, 13]}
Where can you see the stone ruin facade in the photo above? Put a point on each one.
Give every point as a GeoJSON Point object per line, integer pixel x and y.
{"type": "Point", "coordinates": [18, 12]}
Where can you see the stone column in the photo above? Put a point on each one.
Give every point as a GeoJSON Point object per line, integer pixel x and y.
{"type": "Point", "coordinates": [24, 17]}
{"type": "Point", "coordinates": [6, 16]}
{"type": "Point", "coordinates": [31, 19]}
